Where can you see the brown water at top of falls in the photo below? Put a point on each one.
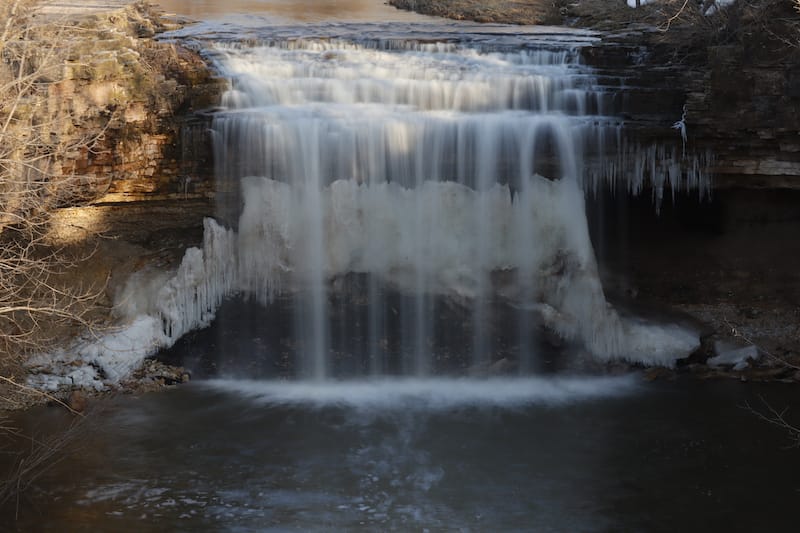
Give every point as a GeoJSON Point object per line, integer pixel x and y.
{"type": "Point", "coordinates": [296, 10]}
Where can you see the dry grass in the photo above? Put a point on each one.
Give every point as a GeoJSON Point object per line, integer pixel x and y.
{"type": "Point", "coordinates": [767, 27]}
{"type": "Point", "coordinates": [32, 458]}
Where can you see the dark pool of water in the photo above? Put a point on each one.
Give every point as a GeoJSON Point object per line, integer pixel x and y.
{"type": "Point", "coordinates": [536, 454]}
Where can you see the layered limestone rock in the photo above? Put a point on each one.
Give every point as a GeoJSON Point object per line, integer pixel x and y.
{"type": "Point", "coordinates": [747, 106]}
{"type": "Point", "coordinates": [736, 74]}
{"type": "Point", "coordinates": [137, 97]}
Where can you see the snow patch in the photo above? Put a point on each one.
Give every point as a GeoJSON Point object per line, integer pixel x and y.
{"type": "Point", "coordinates": [737, 357]}
{"type": "Point", "coordinates": [155, 309]}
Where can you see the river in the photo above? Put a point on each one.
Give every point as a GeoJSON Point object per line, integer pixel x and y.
{"type": "Point", "coordinates": [582, 454]}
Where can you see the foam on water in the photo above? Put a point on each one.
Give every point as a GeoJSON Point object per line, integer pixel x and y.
{"type": "Point", "coordinates": [427, 394]}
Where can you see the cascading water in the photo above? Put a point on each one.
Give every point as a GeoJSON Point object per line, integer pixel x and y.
{"type": "Point", "coordinates": [429, 168]}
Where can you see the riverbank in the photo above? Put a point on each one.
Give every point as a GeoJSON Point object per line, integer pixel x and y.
{"type": "Point", "coordinates": [548, 12]}
{"type": "Point", "coordinates": [124, 103]}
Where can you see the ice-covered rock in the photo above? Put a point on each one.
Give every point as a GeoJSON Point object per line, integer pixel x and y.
{"type": "Point", "coordinates": [738, 357]}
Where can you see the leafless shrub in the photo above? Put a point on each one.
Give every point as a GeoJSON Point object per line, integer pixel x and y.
{"type": "Point", "coordinates": [741, 21]}
{"type": "Point", "coordinates": [35, 304]}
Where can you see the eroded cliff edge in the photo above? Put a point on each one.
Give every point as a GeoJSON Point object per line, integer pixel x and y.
{"type": "Point", "coordinates": [150, 171]}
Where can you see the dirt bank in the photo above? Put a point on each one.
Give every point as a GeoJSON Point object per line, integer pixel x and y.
{"type": "Point", "coordinates": [497, 11]}
{"type": "Point", "coordinates": [146, 177]}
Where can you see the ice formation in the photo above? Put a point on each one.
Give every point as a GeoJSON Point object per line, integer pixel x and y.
{"type": "Point", "coordinates": [431, 394]}
{"type": "Point", "coordinates": [431, 166]}
{"type": "Point", "coordinates": [156, 309]}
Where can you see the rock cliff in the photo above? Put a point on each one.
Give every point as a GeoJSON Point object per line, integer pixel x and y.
{"type": "Point", "coordinates": [139, 96]}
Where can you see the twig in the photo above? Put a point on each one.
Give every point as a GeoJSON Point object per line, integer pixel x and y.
{"type": "Point", "coordinates": [737, 333]}
{"type": "Point", "coordinates": [34, 391]}
{"type": "Point", "coordinates": [674, 17]}
{"type": "Point", "coordinates": [776, 418]}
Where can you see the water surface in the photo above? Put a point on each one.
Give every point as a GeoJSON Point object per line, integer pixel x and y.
{"type": "Point", "coordinates": [566, 454]}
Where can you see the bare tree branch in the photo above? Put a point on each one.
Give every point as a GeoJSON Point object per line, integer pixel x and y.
{"type": "Point", "coordinates": [776, 418]}
{"type": "Point", "coordinates": [36, 302]}
{"type": "Point", "coordinates": [737, 332]}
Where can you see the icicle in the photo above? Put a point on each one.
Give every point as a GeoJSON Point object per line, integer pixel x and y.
{"type": "Point", "coordinates": [681, 127]}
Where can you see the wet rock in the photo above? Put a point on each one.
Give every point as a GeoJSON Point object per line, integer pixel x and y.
{"type": "Point", "coordinates": [751, 313]}
{"type": "Point", "coordinates": [502, 366]}
{"type": "Point", "coordinates": [658, 373]}
{"type": "Point", "coordinates": [77, 401]}
{"type": "Point", "coordinates": [497, 368]}
{"type": "Point", "coordinates": [155, 375]}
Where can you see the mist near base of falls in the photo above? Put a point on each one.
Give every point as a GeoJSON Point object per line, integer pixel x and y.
{"type": "Point", "coordinates": [435, 394]}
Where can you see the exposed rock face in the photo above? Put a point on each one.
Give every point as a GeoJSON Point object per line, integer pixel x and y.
{"type": "Point", "coordinates": [747, 107]}
{"type": "Point", "coordinates": [742, 107]}
{"type": "Point", "coordinates": [137, 96]}
{"type": "Point", "coordinates": [148, 170]}
{"type": "Point", "coordinates": [149, 173]}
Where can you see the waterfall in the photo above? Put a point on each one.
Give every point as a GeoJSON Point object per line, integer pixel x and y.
{"type": "Point", "coordinates": [428, 168]}
{"type": "Point", "coordinates": [408, 179]}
